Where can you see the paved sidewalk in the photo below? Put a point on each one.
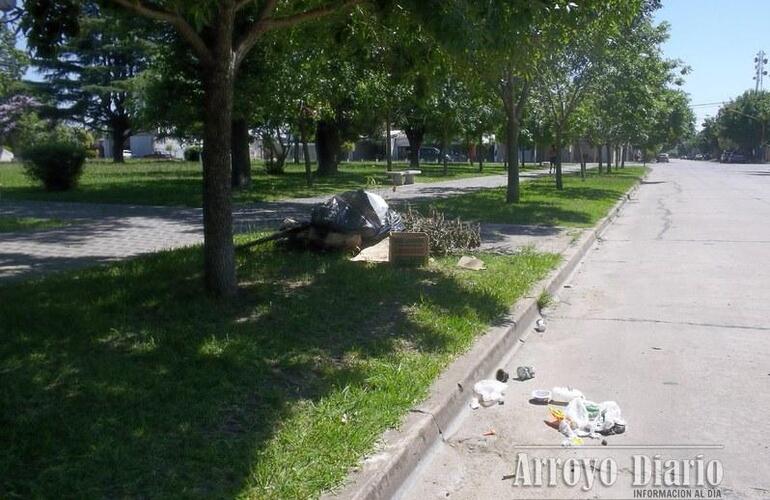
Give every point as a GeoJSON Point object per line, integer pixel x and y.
{"type": "Point", "coordinates": [103, 232]}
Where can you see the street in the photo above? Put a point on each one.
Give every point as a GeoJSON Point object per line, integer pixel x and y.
{"type": "Point", "coordinates": [669, 316]}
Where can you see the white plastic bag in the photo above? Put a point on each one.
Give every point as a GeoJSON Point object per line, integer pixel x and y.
{"type": "Point", "coordinates": [490, 391]}
{"type": "Point", "coordinates": [609, 418]}
{"type": "Point", "coordinates": [565, 394]}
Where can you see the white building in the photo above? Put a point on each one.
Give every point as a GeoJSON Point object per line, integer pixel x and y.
{"type": "Point", "coordinates": [148, 144]}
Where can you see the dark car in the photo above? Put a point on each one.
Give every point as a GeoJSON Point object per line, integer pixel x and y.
{"type": "Point", "coordinates": [662, 158]}
{"type": "Point", "coordinates": [737, 158]}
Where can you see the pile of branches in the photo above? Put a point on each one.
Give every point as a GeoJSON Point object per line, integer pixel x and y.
{"type": "Point", "coordinates": [446, 235]}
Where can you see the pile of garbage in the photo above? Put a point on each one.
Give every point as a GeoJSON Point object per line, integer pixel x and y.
{"type": "Point", "coordinates": [582, 418]}
{"type": "Point", "coordinates": [349, 221]}
{"type": "Point", "coordinates": [579, 419]}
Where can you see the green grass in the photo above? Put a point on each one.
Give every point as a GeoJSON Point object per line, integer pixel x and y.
{"type": "Point", "coordinates": [13, 224]}
{"type": "Point", "coordinates": [125, 382]}
{"type": "Point", "coordinates": [147, 182]}
{"type": "Point", "coordinates": [581, 203]}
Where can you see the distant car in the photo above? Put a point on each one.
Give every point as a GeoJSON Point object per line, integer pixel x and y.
{"type": "Point", "coordinates": [662, 158]}
{"type": "Point", "coordinates": [127, 154]}
{"type": "Point", "coordinates": [699, 157]}
{"type": "Point", "coordinates": [737, 158]}
{"type": "Point", "coordinates": [725, 156]}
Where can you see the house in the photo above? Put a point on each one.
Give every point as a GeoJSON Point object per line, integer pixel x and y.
{"type": "Point", "coordinates": [5, 155]}
{"type": "Point", "coordinates": [148, 144]}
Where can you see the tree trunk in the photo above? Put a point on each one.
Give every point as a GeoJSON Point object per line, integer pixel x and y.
{"type": "Point", "coordinates": [118, 137]}
{"type": "Point", "coordinates": [241, 157]}
{"type": "Point", "coordinates": [296, 150]}
{"type": "Point", "coordinates": [623, 157]}
{"type": "Point", "coordinates": [327, 147]}
{"type": "Point", "coordinates": [480, 153]}
{"type": "Point", "coordinates": [599, 168]}
{"type": "Point", "coordinates": [218, 249]}
{"type": "Point", "coordinates": [582, 157]}
{"type": "Point", "coordinates": [617, 156]}
{"type": "Point", "coordinates": [388, 143]}
{"type": "Point", "coordinates": [444, 154]}
{"type": "Point", "coordinates": [306, 154]}
{"type": "Point", "coordinates": [513, 192]}
{"type": "Point", "coordinates": [559, 180]}
{"type": "Point", "coordinates": [415, 135]}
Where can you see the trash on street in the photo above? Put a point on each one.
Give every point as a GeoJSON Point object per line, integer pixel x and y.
{"type": "Point", "coordinates": [525, 372]}
{"type": "Point", "coordinates": [490, 392]}
{"type": "Point", "coordinates": [471, 263]}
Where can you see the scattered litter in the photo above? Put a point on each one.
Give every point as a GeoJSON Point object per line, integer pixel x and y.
{"type": "Point", "coordinates": [604, 442]}
{"type": "Point", "coordinates": [541, 396]}
{"type": "Point", "coordinates": [568, 285]}
{"type": "Point", "coordinates": [471, 263]}
{"type": "Point", "coordinates": [490, 432]}
{"type": "Point", "coordinates": [375, 253]}
{"type": "Point", "coordinates": [540, 325]}
{"type": "Point", "coordinates": [565, 394]}
{"type": "Point", "coordinates": [583, 418]}
{"type": "Point", "coordinates": [490, 392]}
{"type": "Point", "coordinates": [656, 348]}
{"type": "Point", "coordinates": [525, 372]}
{"type": "Point", "coordinates": [344, 418]}
{"type": "Point", "coordinates": [475, 403]}
{"type": "Point", "coordinates": [502, 375]}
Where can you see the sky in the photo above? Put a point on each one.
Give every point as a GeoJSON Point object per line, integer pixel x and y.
{"type": "Point", "coordinates": [718, 39]}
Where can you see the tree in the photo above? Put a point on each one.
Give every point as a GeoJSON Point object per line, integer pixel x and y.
{"type": "Point", "coordinates": [91, 75]}
{"type": "Point", "coordinates": [744, 121]}
{"type": "Point", "coordinates": [13, 62]}
{"type": "Point", "coordinates": [221, 34]}
{"type": "Point", "coordinates": [571, 68]}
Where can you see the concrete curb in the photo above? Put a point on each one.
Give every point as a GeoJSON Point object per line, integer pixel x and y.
{"type": "Point", "coordinates": [383, 473]}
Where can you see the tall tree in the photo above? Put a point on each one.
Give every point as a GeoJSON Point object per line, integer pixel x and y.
{"type": "Point", "coordinates": [574, 62]}
{"type": "Point", "coordinates": [221, 34]}
{"type": "Point", "coordinates": [90, 76]}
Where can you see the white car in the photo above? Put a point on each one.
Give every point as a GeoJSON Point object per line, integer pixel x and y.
{"type": "Point", "coordinates": [127, 154]}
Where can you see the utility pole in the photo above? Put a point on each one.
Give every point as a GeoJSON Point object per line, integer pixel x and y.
{"type": "Point", "coordinates": [759, 65]}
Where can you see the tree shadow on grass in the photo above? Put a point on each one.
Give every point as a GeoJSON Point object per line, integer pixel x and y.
{"type": "Point", "coordinates": [127, 382]}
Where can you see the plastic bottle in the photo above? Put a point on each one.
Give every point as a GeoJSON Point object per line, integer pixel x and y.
{"type": "Point", "coordinates": [565, 394]}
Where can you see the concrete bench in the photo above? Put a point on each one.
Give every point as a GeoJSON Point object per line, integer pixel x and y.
{"type": "Point", "coordinates": [402, 177]}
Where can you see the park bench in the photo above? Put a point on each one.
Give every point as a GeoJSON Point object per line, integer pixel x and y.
{"type": "Point", "coordinates": [402, 177]}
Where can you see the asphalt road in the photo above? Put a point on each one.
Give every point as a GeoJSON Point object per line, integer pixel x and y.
{"type": "Point", "coordinates": [669, 315]}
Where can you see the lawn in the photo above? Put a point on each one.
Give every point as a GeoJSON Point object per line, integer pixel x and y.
{"type": "Point", "coordinates": [148, 182]}
{"type": "Point", "coordinates": [125, 382]}
{"type": "Point", "coordinates": [13, 224]}
{"type": "Point", "coordinates": [581, 203]}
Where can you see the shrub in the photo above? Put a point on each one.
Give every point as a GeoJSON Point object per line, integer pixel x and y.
{"type": "Point", "coordinates": [192, 154]}
{"type": "Point", "coordinates": [57, 165]}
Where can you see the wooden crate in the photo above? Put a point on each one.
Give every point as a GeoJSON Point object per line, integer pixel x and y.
{"type": "Point", "coordinates": [409, 248]}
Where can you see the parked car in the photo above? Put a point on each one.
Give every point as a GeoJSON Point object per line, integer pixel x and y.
{"type": "Point", "coordinates": [662, 158]}
{"type": "Point", "coordinates": [699, 157]}
{"type": "Point", "coordinates": [127, 154]}
{"type": "Point", "coordinates": [737, 158]}
{"type": "Point", "coordinates": [725, 156]}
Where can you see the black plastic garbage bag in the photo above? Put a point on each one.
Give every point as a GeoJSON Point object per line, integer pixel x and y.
{"type": "Point", "coordinates": [359, 212]}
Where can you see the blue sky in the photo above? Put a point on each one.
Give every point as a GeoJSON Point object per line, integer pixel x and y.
{"type": "Point", "coordinates": [718, 39]}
